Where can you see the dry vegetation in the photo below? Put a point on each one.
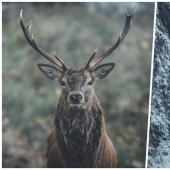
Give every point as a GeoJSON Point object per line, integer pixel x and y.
{"type": "Point", "coordinates": [74, 31]}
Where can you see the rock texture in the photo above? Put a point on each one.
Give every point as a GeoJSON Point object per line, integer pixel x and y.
{"type": "Point", "coordinates": [159, 139]}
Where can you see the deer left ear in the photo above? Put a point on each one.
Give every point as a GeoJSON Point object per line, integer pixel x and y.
{"type": "Point", "coordinates": [102, 71]}
{"type": "Point", "coordinates": [51, 72]}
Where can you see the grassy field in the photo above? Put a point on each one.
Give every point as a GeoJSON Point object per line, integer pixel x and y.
{"type": "Point", "coordinates": [74, 31]}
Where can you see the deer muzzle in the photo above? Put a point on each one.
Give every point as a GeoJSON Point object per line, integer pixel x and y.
{"type": "Point", "coordinates": [75, 99]}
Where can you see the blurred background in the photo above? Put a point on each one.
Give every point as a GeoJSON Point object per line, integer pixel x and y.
{"type": "Point", "coordinates": [74, 31]}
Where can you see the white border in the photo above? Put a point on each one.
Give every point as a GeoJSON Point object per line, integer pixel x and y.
{"type": "Point", "coordinates": [150, 96]}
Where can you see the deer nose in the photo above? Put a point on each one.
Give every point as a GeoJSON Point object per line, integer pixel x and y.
{"type": "Point", "coordinates": [76, 98]}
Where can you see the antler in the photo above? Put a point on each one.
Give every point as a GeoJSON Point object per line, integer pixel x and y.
{"type": "Point", "coordinates": [128, 23]}
{"type": "Point", "coordinates": [31, 41]}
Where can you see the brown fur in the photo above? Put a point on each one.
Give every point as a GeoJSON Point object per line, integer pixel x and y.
{"type": "Point", "coordinates": [64, 150]}
{"type": "Point", "coordinates": [107, 158]}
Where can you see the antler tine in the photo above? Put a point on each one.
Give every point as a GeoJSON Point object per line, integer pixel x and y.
{"type": "Point", "coordinates": [91, 58]}
{"type": "Point", "coordinates": [61, 61]}
{"type": "Point", "coordinates": [121, 38]}
{"type": "Point", "coordinates": [31, 41]}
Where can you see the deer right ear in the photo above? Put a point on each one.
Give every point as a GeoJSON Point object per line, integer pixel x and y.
{"type": "Point", "coordinates": [51, 72]}
{"type": "Point", "coordinates": [102, 71]}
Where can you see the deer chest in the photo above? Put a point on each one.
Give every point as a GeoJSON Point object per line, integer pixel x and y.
{"type": "Point", "coordinates": [78, 139]}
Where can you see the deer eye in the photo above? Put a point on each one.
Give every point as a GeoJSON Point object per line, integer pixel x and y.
{"type": "Point", "coordinates": [62, 83]}
{"type": "Point", "coordinates": [90, 82]}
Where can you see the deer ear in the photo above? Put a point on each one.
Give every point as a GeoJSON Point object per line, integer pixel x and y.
{"type": "Point", "coordinates": [102, 71]}
{"type": "Point", "coordinates": [51, 72]}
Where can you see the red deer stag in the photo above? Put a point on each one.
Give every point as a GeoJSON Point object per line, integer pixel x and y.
{"type": "Point", "coordinates": [79, 138]}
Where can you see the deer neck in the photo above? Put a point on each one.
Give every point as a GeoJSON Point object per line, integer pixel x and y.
{"type": "Point", "coordinates": [78, 133]}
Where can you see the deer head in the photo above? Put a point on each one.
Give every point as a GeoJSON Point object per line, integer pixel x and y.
{"type": "Point", "coordinates": [77, 85]}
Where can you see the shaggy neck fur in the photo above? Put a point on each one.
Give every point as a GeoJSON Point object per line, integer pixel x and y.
{"type": "Point", "coordinates": [79, 133]}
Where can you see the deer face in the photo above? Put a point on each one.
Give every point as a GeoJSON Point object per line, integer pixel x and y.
{"type": "Point", "coordinates": [77, 86]}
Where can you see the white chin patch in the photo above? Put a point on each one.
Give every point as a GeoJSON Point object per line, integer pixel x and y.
{"type": "Point", "coordinates": [75, 105]}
